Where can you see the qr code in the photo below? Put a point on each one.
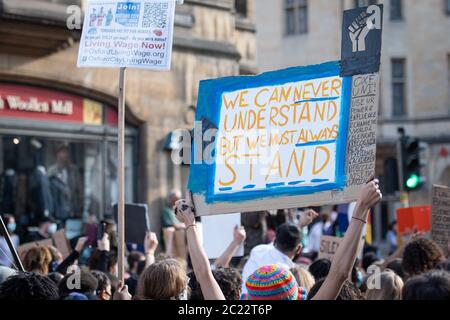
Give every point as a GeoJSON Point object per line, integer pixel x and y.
{"type": "Point", "coordinates": [155, 15]}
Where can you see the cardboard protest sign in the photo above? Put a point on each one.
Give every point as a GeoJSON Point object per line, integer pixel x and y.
{"type": "Point", "coordinates": [412, 218]}
{"type": "Point", "coordinates": [329, 246]}
{"type": "Point", "coordinates": [133, 34]}
{"type": "Point", "coordinates": [217, 234]}
{"type": "Point", "coordinates": [440, 217]}
{"type": "Point", "coordinates": [291, 138]}
{"type": "Point", "coordinates": [137, 222]}
{"type": "Point", "coordinates": [61, 243]}
{"type": "Point", "coordinates": [27, 246]}
{"type": "Point", "coordinates": [297, 137]}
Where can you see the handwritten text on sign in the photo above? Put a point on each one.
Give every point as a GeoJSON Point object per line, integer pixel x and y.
{"type": "Point", "coordinates": [127, 34]}
{"type": "Point", "coordinates": [279, 136]}
{"type": "Point", "coordinates": [440, 221]}
{"type": "Point", "coordinates": [330, 245]}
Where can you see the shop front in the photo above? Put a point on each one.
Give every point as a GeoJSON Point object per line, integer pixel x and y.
{"type": "Point", "coordinates": [58, 155]}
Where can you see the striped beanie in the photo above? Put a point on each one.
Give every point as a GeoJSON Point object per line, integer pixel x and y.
{"type": "Point", "coordinates": [273, 283]}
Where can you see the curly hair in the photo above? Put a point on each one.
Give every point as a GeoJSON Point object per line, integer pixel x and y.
{"type": "Point", "coordinates": [28, 286]}
{"type": "Point", "coordinates": [102, 280]}
{"type": "Point", "coordinates": [421, 255]}
{"type": "Point", "coordinates": [228, 279]}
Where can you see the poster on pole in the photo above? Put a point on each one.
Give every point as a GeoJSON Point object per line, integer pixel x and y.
{"type": "Point", "coordinates": [298, 137]}
{"type": "Point", "coordinates": [285, 139]}
{"type": "Point", "coordinates": [440, 217]}
{"type": "Point", "coordinates": [131, 34]}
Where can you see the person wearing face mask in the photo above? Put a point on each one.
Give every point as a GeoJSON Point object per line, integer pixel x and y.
{"type": "Point", "coordinates": [6, 257]}
{"type": "Point", "coordinates": [47, 227]}
{"type": "Point", "coordinates": [67, 187]}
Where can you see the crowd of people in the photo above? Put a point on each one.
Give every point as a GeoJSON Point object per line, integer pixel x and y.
{"type": "Point", "coordinates": [280, 270]}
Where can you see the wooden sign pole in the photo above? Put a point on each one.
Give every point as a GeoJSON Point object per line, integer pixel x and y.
{"type": "Point", "coordinates": [121, 177]}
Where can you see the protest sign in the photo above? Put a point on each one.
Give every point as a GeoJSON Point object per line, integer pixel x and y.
{"type": "Point", "coordinates": [27, 246]}
{"type": "Point", "coordinates": [291, 138]}
{"type": "Point", "coordinates": [329, 246]}
{"type": "Point", "coordinates": [440, 217]}
{"type": "Point", "coordinates": [414, 218]}
{"type": "Point", "coordinates": [137, 222]}
{"type": "Point", "coordinates": [217, 234]}
{"type": "Point", "coordinates": [61, 243]}
{"type": "Point", "coordinates": [133, 34]}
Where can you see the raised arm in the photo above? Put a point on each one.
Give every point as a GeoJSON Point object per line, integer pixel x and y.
{"type": "Point", "coordinates": [74, 255]}
{"type": "Point", "coordinates": [238, 238]}
{"type": "Point", "coordinates": [307, 218]}
{"type": "Point", "coordinates": [150, 245]}
{"type": "Point", "coordinates": [347, 252]}
{"type": "Point", "coordinates": [184, 211]}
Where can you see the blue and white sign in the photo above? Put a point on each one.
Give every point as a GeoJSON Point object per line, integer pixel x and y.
{"type": "Point", "coordinates": [133, 34]}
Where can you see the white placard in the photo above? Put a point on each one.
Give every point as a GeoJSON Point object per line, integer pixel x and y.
{"type": "Point", "coordinates": [132, 34]}
{"type": "Point", "coordinates": [217, 234]}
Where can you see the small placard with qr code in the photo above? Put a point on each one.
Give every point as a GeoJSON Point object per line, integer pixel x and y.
{"type": "Point", "coordinates": [132, 34]}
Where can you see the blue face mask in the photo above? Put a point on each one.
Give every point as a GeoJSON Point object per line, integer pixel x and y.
{"type": "Point", "coordinates": [11, 227]}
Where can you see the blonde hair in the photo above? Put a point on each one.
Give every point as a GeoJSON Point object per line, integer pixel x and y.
{"type": "Point", "coordinates": [163, 280]}
{"type": "Point", "coordinates": [37, 259]}
{"type": "Point", "coordinates": [391, 286]}
{"type": "Point", "coordinates": [304, 277]}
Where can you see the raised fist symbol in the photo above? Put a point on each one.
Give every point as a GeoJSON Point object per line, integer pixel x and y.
{"type": "Point", "coordinates": [362, 25]}
{"type": "Point", "coordinates": [358, 32]}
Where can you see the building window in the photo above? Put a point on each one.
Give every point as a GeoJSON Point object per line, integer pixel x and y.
{"type": "Point", "coordinates": [396, 10]}
{"type": "Point", "coordinates": [241, 7]}
{"type": "Point", "coordinates": [364, 3]}
{"type": "Point", "coordinates": [398, 87]}
{"type": "Point", "coordinates": [296, 16]}
{"type": "Point", "coordinates": [447, 6]}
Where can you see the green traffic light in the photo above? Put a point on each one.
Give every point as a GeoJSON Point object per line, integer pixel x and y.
{"type": "Point", "coordinates": [413, 181]}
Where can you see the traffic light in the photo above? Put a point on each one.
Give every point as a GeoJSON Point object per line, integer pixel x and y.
{"type": "Point", "coordinates": [411, 164]}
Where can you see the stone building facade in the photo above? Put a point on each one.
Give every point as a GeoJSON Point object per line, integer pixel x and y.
{"type": "Point", "coordinates": [211, 40]}
{"type": "Point", "coordinates": [415, 63]}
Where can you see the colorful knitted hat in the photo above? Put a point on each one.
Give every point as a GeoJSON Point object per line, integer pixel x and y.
{"type": "Point", "coordinates": [273, 283]}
